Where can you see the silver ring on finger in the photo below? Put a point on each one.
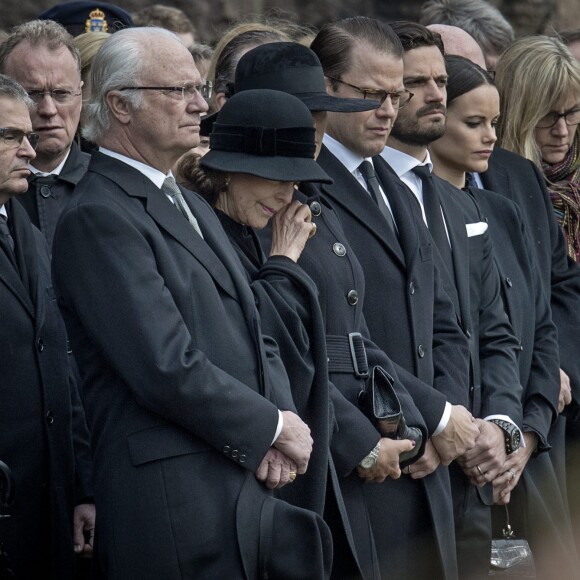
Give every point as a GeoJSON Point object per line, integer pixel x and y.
{"type": "Point", "coordinates": [479, 469]}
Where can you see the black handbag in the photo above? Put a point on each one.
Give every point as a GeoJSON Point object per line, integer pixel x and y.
{"type": "Point", "coordinates": [380, 403]}
{"type": "Point", "coordinates": [511, 557]}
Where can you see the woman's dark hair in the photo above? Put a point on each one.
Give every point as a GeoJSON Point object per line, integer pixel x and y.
{"type": "Point", "coordinates": [207, 182]}
{"type": "Point", "coordinates": [464, 76]}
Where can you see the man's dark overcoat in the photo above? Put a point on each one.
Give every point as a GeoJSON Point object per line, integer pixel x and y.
{"type": "Point", "coordinates": [410, 317]}
{"type": "Point", "coordinates": [174, 366]}
{"type": "Point", "coordinates": [43, 435]}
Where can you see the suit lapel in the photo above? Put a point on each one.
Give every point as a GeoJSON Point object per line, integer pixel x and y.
{"type": "Point", "coordinates": [8, 275]}
{"type": "Point", "coordinates": [347, 192]}
{"type": "Point", "coordinates": [455, 222]}
{"type": "Point", "coordinates": [158, 206]}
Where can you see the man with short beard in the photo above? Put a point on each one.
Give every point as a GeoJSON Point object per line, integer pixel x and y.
{"type": "Point", "coordinates": [473, 285]}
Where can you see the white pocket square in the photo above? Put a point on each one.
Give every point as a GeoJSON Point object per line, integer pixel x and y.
{"type": "Point", "coordinates": [476, 229]}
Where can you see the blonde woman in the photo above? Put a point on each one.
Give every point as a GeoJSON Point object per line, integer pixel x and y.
{"type": "Point", "coordinates": [538, 79]}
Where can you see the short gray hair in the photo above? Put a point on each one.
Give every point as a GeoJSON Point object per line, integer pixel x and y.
{"type": "Point", "coordinates": [478, 18]}
{"type": "Point", "coordinates": [118, 63]}
{"type": "Point", "coordinates": [10, 89]}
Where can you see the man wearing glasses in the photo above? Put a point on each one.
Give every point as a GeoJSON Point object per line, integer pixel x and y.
{"type": "Point", "coordinates": [408, 313]}
{"type": "Point", "coordinates": [178, 385]}
{"type": "Point", "coordinates": [43, 438]}
{"type": "Point", "coordinates": [41, 56]}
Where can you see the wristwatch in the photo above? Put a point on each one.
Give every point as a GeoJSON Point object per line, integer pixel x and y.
{"type": "Point", "coordinates": [370, 460]}
{"type": "Point", "coordinates": [512, 434]}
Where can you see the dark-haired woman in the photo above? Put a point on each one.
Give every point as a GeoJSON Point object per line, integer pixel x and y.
{"type": "Point", "coordinates": [537, 509]}
{"type": "Point", "coordinates": [320, 340]}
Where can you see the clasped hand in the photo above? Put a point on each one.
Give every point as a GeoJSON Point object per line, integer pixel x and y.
{"type": "Point", "coordinates": [289, 454]}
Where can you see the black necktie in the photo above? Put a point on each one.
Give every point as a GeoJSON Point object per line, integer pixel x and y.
{"type": "Point", "coordinates": [435, 223]}
{"type": "Point", "coordinates": [6, 240]}
{"type": "Point", "coordinates": [368, 172]}
{"type": "Point", "coordinates": [171, 188]}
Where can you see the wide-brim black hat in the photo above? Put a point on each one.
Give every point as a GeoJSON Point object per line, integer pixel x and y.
{"type": "Point", "coordinates": [79, 17]}
{"type": "Point", "coordinates": [278, 539]}
{"type": "Point", "coordinates": [265, 133]}
{"type": "Point", "coordinates": [291, 68]}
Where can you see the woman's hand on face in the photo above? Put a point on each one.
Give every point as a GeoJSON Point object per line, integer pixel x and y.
{"type": "Point", "coordinates": [291, 228]}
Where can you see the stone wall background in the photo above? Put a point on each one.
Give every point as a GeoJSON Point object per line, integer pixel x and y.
{"type": "Point", "coordinates": [212, 17]}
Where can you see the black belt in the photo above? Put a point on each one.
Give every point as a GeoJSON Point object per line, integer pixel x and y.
{"type": "Point", "coordinates": [347, 354]}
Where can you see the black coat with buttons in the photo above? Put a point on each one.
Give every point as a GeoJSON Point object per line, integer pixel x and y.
{"type": "Point", "coordinates": [43, 433]}
{"type": "Point", "coordinates": [44, 203]}
{"type": "Point", "coordinates": [411, 318]}
{"type": "Point", "coordinates": [330, 263]}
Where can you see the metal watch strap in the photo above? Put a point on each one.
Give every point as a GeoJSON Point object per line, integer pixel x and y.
{"type": "Point", "coordinates": [371, 458]}
{"type": "Point", "coordinates": [508, 429]}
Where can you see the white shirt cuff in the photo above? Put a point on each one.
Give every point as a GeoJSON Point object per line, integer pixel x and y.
{"type": "Point", "coordinates": [444, 420]}
{"type": "Point", "coordinates": [279, 427]}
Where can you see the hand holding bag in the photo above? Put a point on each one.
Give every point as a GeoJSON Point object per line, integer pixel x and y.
{"type": "Point", "coordinates": [380, 403]}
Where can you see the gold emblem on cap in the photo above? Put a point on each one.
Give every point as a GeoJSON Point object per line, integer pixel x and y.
{"type": "Point", "coordinates": [96, 21]}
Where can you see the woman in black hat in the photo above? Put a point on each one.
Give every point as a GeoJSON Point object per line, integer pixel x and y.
{"type": "Point", "coordinates": [316, 342]}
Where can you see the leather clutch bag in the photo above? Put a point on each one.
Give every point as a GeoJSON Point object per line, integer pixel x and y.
{"type": "Point", "coordinates": [380, 403]}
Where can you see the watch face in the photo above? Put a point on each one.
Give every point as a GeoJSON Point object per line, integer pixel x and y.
{"type": "Point", "coordinates": [368, 462]}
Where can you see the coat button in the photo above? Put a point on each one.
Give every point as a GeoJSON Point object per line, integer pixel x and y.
{"type": "Point", "coordinates": [521, 346]}
{"type": "Point", "coordinates": [411, 288]}
{"type": "Point", "coordinates": [352, 297]}
{"type": "Point", "coordinates": [315, 208]}
{"type": "Point", "coordinates": [50, 417]}
{"type": "Point", "coordinates": [235, 453]}
{"type": "Point", "coordinates": [40, 345]}
{"type": "Point", "coordinates": [339, 249]}
{"type": "Point", "coordinates": [242, 458]}
{"type": "Point", "coordinates": [509, 282]}
{"type": "Point", "coordinates": [420, 351]}
{"type": "Point", "coordinates": [226, 449]}
{"type": "Point", "coordinates": [45, 191]}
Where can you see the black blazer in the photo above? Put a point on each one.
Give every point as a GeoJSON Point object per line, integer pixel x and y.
{"type": "Point", "coordinates": [496, 383]}
{"type": "Point", "coordinates": [528, 309]}
{"type": "Point", "coordinates": [521, 181]}
{"type": "Point", "coordinates": [179, 390]}
{"type": "Point", "coordinates": [44, 437]}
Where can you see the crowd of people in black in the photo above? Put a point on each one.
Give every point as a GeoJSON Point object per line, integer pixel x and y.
{"type": "Point", "coordinates": [305, 304]}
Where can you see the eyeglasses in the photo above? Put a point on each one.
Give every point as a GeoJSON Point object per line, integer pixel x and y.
{"type": "Point", "coordinates": [14, 137]}
{"type": "Point", "coordinates": [185, 92]}
{"type": "Point", "coordinates": [60, 96]}
{"type": "Point", "coordinates": [571, 117]}
{"type": "Point", "coordinates": [398, 98]}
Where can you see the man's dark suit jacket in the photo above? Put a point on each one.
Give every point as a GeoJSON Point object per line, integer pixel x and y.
{"type": "Point", "coordinates": [475, 292]}
{"type": "Point", "coordinates": [174, 366]}
{"type": "Point", "coordinates": [413, 321]}
{"type": "Point", "coordinates": [43, 206]}
{"type": "Point", "coordinates": [521, 181]}
{"type": "Point", "coordinates": [44, 437]}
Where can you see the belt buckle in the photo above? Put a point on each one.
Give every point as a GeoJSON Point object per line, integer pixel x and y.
{"type": "Point", "coordinates": [357, 351]}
